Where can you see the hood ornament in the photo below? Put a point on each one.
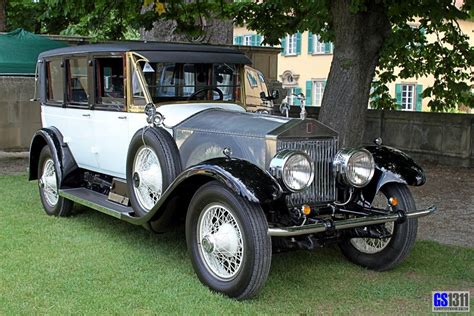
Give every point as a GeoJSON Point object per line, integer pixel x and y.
{"type": "Point", "coordinates": [300, 96]}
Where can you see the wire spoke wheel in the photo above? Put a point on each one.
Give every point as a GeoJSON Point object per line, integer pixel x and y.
{"type": "Point", "coordinates": [220, 241]}
{"type": "Point", "coordinates": [148, 178]}
{"type": "Point", "coordinates": [49, 184]}
{"type": "Point", "coordinates": [375, 245]}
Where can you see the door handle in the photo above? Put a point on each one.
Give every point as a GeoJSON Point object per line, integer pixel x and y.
{"type": "Point", "coordinates": [122, 117]}
{"type": "Point", "coordinates": [86, 115]}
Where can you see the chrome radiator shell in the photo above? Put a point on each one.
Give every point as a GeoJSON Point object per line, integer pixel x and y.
{"type": "Point", "coordinates": [322, 152]}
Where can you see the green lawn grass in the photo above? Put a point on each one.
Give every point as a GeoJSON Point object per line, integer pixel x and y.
{"type": "Point", "coordinates": [94, 264]}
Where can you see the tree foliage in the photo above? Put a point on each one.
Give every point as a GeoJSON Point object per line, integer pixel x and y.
{"type": "Point", "coordinates": [405, 53]}
{"type": "Point", "coordinates": [100, 19]}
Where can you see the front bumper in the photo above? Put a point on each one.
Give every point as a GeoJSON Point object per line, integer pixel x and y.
{"type": "Point", "coordinates": [331, 225]}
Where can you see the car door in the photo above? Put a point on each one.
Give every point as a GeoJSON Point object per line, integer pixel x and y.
{"type": "Point", "coordinates": [110, 119]}
{"type": "Point", "coordinates": [67, 107]}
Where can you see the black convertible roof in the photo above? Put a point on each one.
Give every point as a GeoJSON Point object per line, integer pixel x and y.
{"type": "Point", "coordinates": [164, 52]}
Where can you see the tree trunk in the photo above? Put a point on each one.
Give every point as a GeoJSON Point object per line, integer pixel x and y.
{"type": "Point", "coordinates": [216, 32]}
{"type": "Point", "coordinates": [3, 15]}
{"type": "Point", "coordinates": [358, 41]}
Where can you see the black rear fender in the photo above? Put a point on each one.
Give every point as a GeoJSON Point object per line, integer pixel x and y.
{"type": "Point", "coordinates": [62, 156]}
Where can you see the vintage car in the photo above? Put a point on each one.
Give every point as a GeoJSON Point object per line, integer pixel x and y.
{"type": "Point", "coordinates": [159, 134]}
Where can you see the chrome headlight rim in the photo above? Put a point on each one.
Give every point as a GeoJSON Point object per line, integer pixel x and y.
{"type": "Point", "coordinates": [279, 163]}
{"type": "Point", "coordinates": [341, 162]}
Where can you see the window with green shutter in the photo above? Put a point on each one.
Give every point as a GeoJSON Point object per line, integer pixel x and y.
{"type": "Point", "coordinates": [291, 45]}
{"type": "Point", "coordinates": [406, 96]}
{"type": "Point", "coordinates": [318, 91]}
{"type": "Point", "coordinates": [238, 40]}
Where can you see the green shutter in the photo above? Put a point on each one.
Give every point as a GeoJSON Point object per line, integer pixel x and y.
{"type": "Point", "coordinates": [327, 47]}
{"type": "Point", "coordinates": [259, 40]}
{"type": "Point", "coordinates": [295, 100]}
{"type": "Point", "coordinates": [238, 40]}
{"type": "Point", "coordinates": [254, 40]}
{"type": "Point", "coordinates": [298, 43]}
{"type": "Point", "coordinates": [283, 45]}
{"type": "Point", "coordinates": [419, 97]}
{"type": "Point", "coordinates": [310, 43]}
{"type": "Point", "coordinates": [309, 88]}
{"type": "Point", "coordinates": [398, 94]}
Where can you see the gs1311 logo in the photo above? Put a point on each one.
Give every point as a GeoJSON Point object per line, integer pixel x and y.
{"type": "Point", "coordinates": [450, 301]}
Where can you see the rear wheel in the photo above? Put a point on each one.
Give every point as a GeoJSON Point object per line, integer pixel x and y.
{"type": "Point", "coordinates": [385, 253]}
{"type": "Point", "coordinates": [53, 204]}
{"type": "Point", "coordinates": [228, 241]}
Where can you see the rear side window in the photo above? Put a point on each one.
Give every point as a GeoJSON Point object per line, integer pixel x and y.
{"type": "Point", "coordinates": [54, 82]}
{"type": "Point", "coordinates": [109, 84]}
{"type": "Point", "coordinates": [77, 81]}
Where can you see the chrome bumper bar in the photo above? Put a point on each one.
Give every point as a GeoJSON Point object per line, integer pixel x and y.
{"type": "Point", "coordinates": [346, 223]}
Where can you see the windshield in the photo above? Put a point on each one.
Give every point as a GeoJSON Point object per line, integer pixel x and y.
{"type": "Point", "coordinates": [181, 82]}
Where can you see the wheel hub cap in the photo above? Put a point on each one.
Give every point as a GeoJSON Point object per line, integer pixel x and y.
{"type": "Point", "coordinates": [147, 178]}
{"type": "Point", "coordinates": [221, 244]}
{"type": "Point", "coordinates": [48, 183]}
{"type": "Point", "coordinates": [207, 244]}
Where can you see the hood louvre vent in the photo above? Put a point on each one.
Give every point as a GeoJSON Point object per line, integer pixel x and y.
{"type": "Point", "coordinates": [322, 152]}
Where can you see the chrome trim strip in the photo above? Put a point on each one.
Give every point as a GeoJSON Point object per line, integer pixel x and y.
{"type": "Point", "coordinates": [345, 224]}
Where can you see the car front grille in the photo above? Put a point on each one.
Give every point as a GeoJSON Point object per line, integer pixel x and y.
{"type": "Point", "coordinates": [322, 152]}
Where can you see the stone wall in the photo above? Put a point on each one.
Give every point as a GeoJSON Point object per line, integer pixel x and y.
{"type": "Point", "coordinates": [19, 117]}
{"type": "Point", "coordinates": [438, 137]}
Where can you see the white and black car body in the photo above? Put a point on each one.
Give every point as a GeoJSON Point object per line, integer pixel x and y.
{"type": "Point", "coordinates": [177, 143]}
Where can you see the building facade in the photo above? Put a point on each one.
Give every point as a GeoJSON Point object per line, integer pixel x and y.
{"type": "Point", "coordinates": [305, 60]}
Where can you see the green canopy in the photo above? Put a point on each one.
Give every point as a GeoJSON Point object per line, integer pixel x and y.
{"type": "Point", "coordinates": [19, 51]}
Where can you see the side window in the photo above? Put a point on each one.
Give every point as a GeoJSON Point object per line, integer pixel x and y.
{"type": "Point", "coordinates": [109, 86]}
{"type": "Point", "coordinates": [77, 81]}
{"type": "Point", "coordinates": [54, 82]}
{"type": "Point", "coordinates": [138, 94]}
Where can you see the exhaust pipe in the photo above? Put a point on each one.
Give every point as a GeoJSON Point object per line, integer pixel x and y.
{"type": "Point", "coordinates": [329, 225]}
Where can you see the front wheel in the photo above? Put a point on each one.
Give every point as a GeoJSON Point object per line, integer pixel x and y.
{"type": "Point", "coordinates": [53, 204]}
{"type": "Point", "coordinates": [228, 241]}
{"type": "Point", "coordinates": [385, 253]}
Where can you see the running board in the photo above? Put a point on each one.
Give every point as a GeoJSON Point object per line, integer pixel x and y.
{"type": "Point", "coordinates": [97, 201]}
{"type": "Point", "coordinates": [329, 225]}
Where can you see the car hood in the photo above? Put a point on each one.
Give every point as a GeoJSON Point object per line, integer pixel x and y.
{"type": "Point", "coordinates": [249, 136]}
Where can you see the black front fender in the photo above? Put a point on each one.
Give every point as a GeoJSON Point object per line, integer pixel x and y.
{"type": "Point", "coordinates": [242, 177]}
{"type": "Point", "coordinates": [392, 165]}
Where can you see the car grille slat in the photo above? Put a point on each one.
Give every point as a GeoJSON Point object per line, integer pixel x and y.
{"type": "Point", "coordinates": [321, 152]}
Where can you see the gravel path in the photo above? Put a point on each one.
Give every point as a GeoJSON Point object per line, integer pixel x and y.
{"type": "Point", "coordinates": [450, 188]}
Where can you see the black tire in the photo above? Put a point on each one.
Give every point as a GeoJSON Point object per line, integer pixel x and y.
{"type": "Point", "coordinates": [164, 147]}
{"type": "Point", "coordinates": [256, 244]}
{"type": "Point", "coordinates": [62, 207]}
{"type": "Point", "coordinates": [402, 240]}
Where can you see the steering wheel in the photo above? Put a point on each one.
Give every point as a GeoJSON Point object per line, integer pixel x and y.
{"type": "Point", "coordinates": [221, 95]}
